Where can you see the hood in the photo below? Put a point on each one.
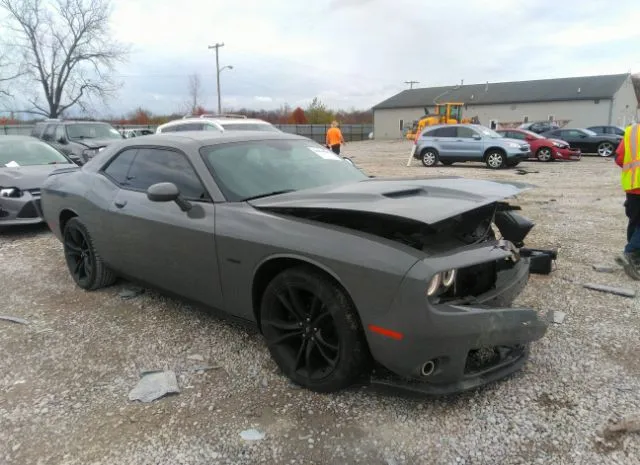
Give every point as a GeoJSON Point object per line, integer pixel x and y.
{"type": "Point", "coordinates": [428, 201]}
{"type": "Point", "coordinates": [27, 177]}
{"type": "Point", "coordinates": [513, 141]}
{"type": "Point", "coordinates": [559, 141]}
{"type": "Point", "coordinates": [95, 143]}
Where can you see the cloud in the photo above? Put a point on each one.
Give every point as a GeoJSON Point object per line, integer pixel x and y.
{"type": "Point", "coordinates": [355, 53]}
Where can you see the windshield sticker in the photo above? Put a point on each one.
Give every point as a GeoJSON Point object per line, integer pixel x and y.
{"type": "Point", "coordinates": [12, 164]}
{"type": "Point", "coordinates": [324, 153]}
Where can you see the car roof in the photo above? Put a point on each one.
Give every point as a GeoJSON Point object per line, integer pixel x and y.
{"type": "Point", "coordinates": [213, 119]}
{"type": "Point", "coordinates": [19, 138]}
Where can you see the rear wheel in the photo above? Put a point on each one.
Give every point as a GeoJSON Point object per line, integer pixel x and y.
{"type": "Point", "coordinates": [83, 261]}
{"type": "Point", "coordinates": [429, 157]}
{"type": "Point", "coordinates": [605, 149]}
{"type": "Point", "coordinates": [312, 330]}
{"type": "Point", "coordinates": [544, 154]}
{"type": "Point", "coordinates": [495, 159]}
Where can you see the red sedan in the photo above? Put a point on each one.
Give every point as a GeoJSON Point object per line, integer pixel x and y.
{"type": "Point", "coordinates": [543, 149]}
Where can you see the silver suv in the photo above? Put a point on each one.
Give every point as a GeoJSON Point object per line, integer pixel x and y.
{"type": "Point", "coordinates": [454, 143]}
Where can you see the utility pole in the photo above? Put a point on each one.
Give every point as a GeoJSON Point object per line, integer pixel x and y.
{"type": "Point", "coordinates": [217, 47]}
{"type": "Point", "coordinates": [411, 83]}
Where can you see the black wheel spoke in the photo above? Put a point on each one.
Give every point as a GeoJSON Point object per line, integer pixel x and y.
{"type": "Point", "coordinates": [301, 351]}
{"type": "Point", "coordinates": [315, 307]}
{"type": "Point", "coordinates": [323, 343]}
{"type": "Point", "coordinates": [86, 265]}
{"type": "Point", "coordinates": [76, 237]}
{"type": "Point", "coordinates": [297, 304]}
{"type": "Point", "coordinates": [307, 355]}
{"type": "Point", "coordinates": [286, 336]}
{"type": "Point", "coordinates": [287, 305]}
{"type": "Point", "coordinates": [283, 325]}
{"type": "Point", "coordinates": [321, 317]}
{"type": "Point", "coordinates": [79, 264]}
{"type": "Point", "coordinates": [328, 359]}
{"type": "Point", "coordinates": [73, 248]}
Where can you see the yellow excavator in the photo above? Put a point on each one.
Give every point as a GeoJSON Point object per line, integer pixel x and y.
{"type": "Point", "coordinates": [446, 113]}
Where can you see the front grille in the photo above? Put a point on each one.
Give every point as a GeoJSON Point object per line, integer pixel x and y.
{"type": "Point", "coordinates": [28, 211]}
{"type": "Point", "coordinates": [483, 359]}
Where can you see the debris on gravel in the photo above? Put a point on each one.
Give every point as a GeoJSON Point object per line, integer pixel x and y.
{"type": "Point", "coordinates": [252, 435]}
{"type": "Point", "coordinates": [154, 386]}
{"type": "Point", "coordinates": [14, 319]}
{"type": "Point", "coordinates": [130, 293]}
{"type": "Point", "coordinates": [605, 268]}
{"type": "Point", "coordinates": [611, 289]}
{"type": "Point", "coordinates": [558, 316]}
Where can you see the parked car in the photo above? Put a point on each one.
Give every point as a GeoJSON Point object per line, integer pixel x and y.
{"type": "Point", "coordinates": [25, 162]}
{"type": "Point", "coordinates": [78, 140]}
{"type": "Point", "coordinates": [128, 133]}
{"type": "Point", "coordinates": [335, 268]}
{"type": "Point", "coordinates": [455, 143]}
{"type": "Point", "coordinates": [543, 149]}
{"type": "Point", "coordinates": [217, 123]}
{"type": "Point", "coordinates": [539, 126]}
{"type": "Point", "coordinates": [612, 130]}
{"type": "Point", "coordinates": [587, 141]}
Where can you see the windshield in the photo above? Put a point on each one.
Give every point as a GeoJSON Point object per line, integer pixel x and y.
{"type": "Point", "coordinates": [255, 168]}
{"type": "Point", "coordinates": [15, 153]}
{"type": "Point", "coordinates": [249, 127]}
{"type": "Point", "coordinates": [92, 131]}
{"type": "Point", "coordinates": [589, 132]}
{"type": "Point", "coordinates": [533, 134]}
{"type": "Point", "coordinates": [489, 132]}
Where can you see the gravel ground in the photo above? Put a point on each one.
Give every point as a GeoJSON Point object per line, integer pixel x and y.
{"type": "Point", "coordinates": [65, 376]}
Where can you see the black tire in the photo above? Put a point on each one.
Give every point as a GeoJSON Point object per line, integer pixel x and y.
{"type": "Point", "coordinates": [446, 163]}
{"type": "Point", "coordinates": [312, 330]}
{"type": "Point", "coordinates": [544, 154]}
{"type": "Point", "coordinates": [429, 157]}
{"type": "Point", "coordinates": [83, 261]}
{"type": "Point", "coordinates": [495, 159]}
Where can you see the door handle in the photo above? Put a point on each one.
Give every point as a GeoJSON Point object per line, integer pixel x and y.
{"type": "Point", "coordinates": [120, 203]}
{"type": "Point", "coordinates": [459, 140]}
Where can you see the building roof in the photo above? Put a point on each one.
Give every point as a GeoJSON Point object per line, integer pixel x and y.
{"type": "Point", "coordinates": [541, 90]}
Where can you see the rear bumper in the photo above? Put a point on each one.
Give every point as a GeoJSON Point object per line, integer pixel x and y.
{"type": "Point", "coordinates": [470, 344]}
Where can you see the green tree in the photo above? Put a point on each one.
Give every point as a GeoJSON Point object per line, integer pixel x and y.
{"type": "Point", "coordinates": [318, 113]}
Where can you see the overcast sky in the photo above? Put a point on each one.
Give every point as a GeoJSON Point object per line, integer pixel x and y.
{"type": "Point", "coordinates": [355, 53]}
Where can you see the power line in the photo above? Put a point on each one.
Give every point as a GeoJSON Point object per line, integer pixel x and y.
{"type": "Point", "coordinates": [411, 83]}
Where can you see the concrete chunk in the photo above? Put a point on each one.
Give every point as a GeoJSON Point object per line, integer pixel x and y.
{"type": "Point", "coordinates": [154, 386]}
{"type": "Point", "coordinates": [611, 290]}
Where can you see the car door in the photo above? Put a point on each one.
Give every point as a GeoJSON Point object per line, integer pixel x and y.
{"type": "Point", "coordinates": [444, 140]}
{"type": "Point", "coordinates": [578, 139]}
{"type": "Point", "coordinates": [467, 145]}
{"type": "Point", "coordinates": [61, 141]}
{"type": "Point", "coordinates": [158, 242]}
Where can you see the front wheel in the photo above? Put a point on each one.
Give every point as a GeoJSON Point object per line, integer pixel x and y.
{"type": "Point", "coordinates": [429, 157]}
{"type": "Point", "coordinates": [544, 154]}
{"type": "Point", "coordinates": [495, 160]}
{"type": "Point", "coordinates": [312, 330]}
{"type": "Point", "coordinates": [83, 261]}
{"type": "Point", "coordinates": [605, 149]}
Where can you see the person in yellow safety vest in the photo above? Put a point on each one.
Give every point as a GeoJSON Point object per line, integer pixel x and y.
{"type": "Point", "coordinates": [628, 158]}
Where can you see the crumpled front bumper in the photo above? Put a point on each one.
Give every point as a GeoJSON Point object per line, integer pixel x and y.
{"type": "Point", "coordinates": [470, 343]}
{"type": "Point", "coordinates": [21, 210]}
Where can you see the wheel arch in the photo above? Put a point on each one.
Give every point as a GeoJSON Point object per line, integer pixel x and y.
{"type": "Point", "coordinates": [424, 149]}
{"type": "Point", "coordinates": [493, 148]}
{"type": "Point", "coordinates": [271, 266]}
{"type": "Point", "coordinates": [65, 215]}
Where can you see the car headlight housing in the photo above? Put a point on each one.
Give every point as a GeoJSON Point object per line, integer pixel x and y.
{"type": "Point", "coordinates": [558, 144]}
{"type": "Point", "coordinates": [441, 282]}
{"type": "Point", "coordinates": [513, 145]}
{"type": "Point", "coordinates": [10, 192]}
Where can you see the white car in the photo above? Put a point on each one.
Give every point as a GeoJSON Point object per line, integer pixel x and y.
{"type": "Point", "coordinates": [216, 123]}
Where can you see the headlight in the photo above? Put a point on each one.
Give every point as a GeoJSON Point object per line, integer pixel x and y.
{"type": "Point", "coordinates": [514, 145]}
{"type": "Point", "coordinates": [434, 285]}
{"type": "Point", "coordinates": [558, 144]}
{"type": "Point", "coordinates": [448, 278]}
{"type": "Point", "coordinates": [10, 192]}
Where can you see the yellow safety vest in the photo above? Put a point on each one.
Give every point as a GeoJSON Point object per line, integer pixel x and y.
{"type": "Point", "coordinates": [630, 178]}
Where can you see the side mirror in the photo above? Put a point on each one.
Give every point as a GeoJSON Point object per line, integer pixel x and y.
{"type": "Point", "coordinates": [477, 137]}
{"type": "Point", "coordinates": [62, 140]}
{"type": "Point", "coordinates": [167, 192]}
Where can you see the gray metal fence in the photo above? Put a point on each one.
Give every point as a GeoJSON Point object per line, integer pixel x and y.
{"type": "Point", "coordinates": [317, 132]}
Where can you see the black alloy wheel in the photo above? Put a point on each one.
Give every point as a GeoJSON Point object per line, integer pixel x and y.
{"type": "Point", "coordinates": [308, 323]}
{"type": "Point", "coordinates": [85, 265]}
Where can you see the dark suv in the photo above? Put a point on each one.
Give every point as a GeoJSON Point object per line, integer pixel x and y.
{"type": "Point", "coordinates": [79, 140]}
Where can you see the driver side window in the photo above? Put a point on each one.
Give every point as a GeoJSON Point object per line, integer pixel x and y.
{"type": "Point", "coordinates": [60, 132]}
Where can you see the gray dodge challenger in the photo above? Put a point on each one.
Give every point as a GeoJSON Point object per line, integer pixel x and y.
{"type": "Point", "coordinates": [350, 278]}
{"type": "Point", "coordinates": [25, 162]}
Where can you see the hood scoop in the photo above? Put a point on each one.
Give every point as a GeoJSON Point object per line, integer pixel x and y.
{"type": "Point", "coordinates": [405, 193]}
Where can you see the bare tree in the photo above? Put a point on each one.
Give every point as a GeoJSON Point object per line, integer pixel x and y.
{"type": "Point", "coordinates": [66, 49]}
{"type": "Point", "coordinates": [195, 91]}
{"type": "Point", "coordinates": [8, 72]}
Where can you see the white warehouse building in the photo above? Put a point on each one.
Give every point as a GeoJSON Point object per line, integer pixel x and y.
{"type": "Point", "coordinates": [572, 102]}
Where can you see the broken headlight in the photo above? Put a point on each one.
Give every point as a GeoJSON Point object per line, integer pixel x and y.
{"type": "Point", "coordinates": [441, 281]}
{"type": "Point", "coordinates": [10, 192]}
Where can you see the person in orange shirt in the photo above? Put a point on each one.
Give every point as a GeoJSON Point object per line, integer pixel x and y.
{"type": "Point", "coordinates": [334, 138]}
